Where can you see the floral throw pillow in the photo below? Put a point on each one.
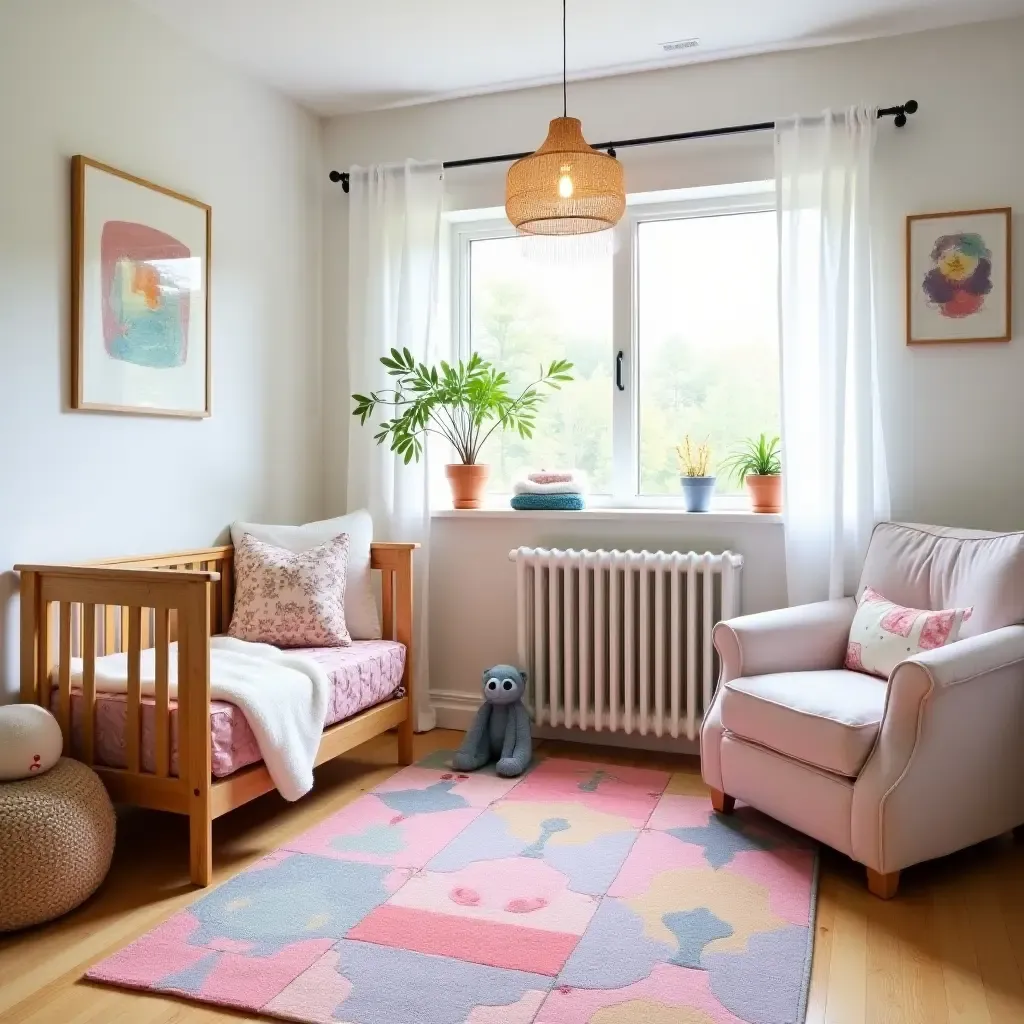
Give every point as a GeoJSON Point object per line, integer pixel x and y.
{"type": "Point", "coordinates": [883, 634]}
{"type": "Point", "coordinates": [291, 599]}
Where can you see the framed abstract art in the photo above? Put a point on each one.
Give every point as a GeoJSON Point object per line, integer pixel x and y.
{"type": "Point", "coordinates": [959, 277]}
{"type": "Point", "coordinates": [140, 295]}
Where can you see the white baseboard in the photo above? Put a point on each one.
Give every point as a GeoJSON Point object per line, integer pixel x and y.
{"type": "Point", "coordinates": [631, 741]}
{"type": "Point", "coordinates": [455, 709]}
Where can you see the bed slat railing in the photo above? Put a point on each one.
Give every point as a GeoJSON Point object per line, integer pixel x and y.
{"type": "Point", "coordinates": [135, 606]}
{"type": "Point", "coordinates": [89, 685]}
{"type": "Point", "coordinates": [163, 718]}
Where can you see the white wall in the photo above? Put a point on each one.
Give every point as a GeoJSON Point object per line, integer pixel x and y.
{"type": "Point", "coordinates": [108, 80]}
{"type": "Point", "coordinates": [953, 416]}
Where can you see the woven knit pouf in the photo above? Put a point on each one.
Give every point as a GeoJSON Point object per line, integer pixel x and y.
{"type": "Point", "coordinates": [56, 841]}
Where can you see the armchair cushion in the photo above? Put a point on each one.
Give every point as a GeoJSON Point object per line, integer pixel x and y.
{"type": "Point", "coordinates": [941, 567]}
{"type": "Point", "coordinates": [829, 719]}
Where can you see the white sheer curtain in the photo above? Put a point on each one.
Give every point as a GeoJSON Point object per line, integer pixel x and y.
{"type": "Point", "coordinates": [394, 261]}
{"type": "Point", "coordinates": [836, 485]}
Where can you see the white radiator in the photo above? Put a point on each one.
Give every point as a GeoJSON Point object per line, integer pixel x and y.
{"type": "Point", "coordinates": [621, 640]}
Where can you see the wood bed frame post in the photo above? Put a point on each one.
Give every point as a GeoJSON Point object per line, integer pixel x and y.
{"type": "Point", "coordinates": [29, 638]}
{"type": "Point", "coordinates": [403, 634]}
{"type": "Point", "coordinates": [194, 760]}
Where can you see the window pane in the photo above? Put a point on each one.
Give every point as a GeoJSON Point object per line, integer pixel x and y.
{"type": "Point", "coordinates": [524, 313]}
{"type": "Point", "coordinates": [708, 339]}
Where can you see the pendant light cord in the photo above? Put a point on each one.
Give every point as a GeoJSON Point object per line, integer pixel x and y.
{"type": "Point", "coordinates": [565, 105]}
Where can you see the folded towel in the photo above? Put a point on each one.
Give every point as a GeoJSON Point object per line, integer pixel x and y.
{"type": "Point", "coordinates": [578, 485]}
{"type": "Point", "coordinates": [548, 502]}
{"type": "Point", "coordinates": [552, 476]}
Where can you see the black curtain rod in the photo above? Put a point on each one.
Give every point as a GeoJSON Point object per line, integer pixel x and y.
{"type": "Point", "coordinates": [898, 113]}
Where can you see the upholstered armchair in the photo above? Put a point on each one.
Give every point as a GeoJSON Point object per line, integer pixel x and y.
{"type": "Point", "coordinates": [890, 772]}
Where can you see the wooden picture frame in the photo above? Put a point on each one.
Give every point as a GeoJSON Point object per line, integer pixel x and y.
{"type": "Point", "coordinates": [959, 277]}
{"type": "Point", "coordinates": [140, 295]}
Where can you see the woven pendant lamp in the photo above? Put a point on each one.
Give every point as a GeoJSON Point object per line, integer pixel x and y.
{"type": "Point", "coordinates": [566, 187]}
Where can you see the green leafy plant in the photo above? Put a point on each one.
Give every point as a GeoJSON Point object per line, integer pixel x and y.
{"type": "Point", "coordinates": [758, 457]}
{"type": "Point", "coordinates": [693, 461]}
{"type": "Point", "coordinates": [464, 403]}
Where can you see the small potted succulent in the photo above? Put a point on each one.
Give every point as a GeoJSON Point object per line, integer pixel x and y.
{"type": "Point", "coordinates": [698, 486]}
{"type": "Point", "coordinates": [464, 404]}
{"type": "Point", "coordinates": [757, 463]}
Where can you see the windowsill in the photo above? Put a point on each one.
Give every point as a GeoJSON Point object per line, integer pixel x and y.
{"type": "Point", "coordinates": [593, 515]}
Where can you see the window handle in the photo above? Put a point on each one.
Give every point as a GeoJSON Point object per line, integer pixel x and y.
{"type": "Point", "coordinates": [618, 372]}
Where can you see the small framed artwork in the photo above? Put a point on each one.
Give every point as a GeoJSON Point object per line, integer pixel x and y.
{"type": "Point", "coordinates": [140, 295]}
{"type": "Point", "coordinates": [959, 282]}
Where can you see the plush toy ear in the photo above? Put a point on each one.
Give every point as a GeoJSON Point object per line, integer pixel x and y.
{"type": "Point", "coordinates": [486, 672]}
{"type": "Point", "coordinates": [524, 674]}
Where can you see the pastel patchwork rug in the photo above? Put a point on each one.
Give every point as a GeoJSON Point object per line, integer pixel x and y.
{"type": "Point", "coordinates": [578, 894]}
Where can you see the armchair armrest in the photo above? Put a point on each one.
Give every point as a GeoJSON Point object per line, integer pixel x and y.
{"type": "Point", "coordinates": [801, 639]}
{"type": "Point", "coordinates": [946, 769]}
{"type": "Point", "coordinates": [967, 659]}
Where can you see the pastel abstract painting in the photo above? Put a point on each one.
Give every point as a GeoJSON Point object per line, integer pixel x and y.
{"type": "Point", "coordinates": [961, 275]}
{"type": "Point", "coordinates": [147, 285]}
{"type": "Point", "coordinates": [140, 295]}
{"type": "Point", "coordinates": [958, 277]}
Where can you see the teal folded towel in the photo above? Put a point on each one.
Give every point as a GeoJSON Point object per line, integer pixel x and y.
{"type": "Point", "coordinates": [548, 502]}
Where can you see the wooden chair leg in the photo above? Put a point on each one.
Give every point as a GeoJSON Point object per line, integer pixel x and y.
{"type": "Point", "coordinates": [200, 857]}
{"type": "Point", "coordinates": [405, 741]}
{"type": "Point", "coordinates": [722, 802]}
{"type": "Point", "coordinates": [883, 886]}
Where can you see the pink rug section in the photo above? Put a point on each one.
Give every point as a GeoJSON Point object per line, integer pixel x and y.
{"type": "Point", "coordinates": [577, 894]}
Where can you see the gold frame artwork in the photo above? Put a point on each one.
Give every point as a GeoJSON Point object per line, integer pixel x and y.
{"type": "Point", "coordinates": [914, 281]}
{"type": "Point", "coordinates": [79, 166]}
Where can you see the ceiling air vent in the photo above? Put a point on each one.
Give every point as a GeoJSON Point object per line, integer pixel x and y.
{"type": "Point", "coordinates": [680, 44]}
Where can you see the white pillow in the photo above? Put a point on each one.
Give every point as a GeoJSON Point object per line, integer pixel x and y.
{"type": "Point", "coordinates": [360, 606]}
{"type": "Point", "coordinates": [884, 633]}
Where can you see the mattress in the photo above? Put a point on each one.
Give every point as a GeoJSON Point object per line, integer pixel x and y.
{"type": "Point", "coordinates": [362, 675]}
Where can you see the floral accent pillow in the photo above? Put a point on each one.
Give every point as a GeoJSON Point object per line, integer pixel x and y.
{"type": "Point", "coordinates": [291, 599]}
{"type": "Point", "coordinates": [883, 634]}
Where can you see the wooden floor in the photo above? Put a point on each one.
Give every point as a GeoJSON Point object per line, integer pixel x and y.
{"type": "Point", "coordinates": [948, 950]}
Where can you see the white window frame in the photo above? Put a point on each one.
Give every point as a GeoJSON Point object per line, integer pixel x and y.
{"type": "Point", "coordinates": [471, 226]}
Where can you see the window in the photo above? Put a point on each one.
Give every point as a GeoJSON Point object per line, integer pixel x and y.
{"type": "Point", "coordinates": [688, 297]}
{"type": "Point", "coordinates": [523, 313]}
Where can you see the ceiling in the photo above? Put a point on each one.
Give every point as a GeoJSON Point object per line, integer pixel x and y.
{"type": "Point", "coordinates": [340, 56]}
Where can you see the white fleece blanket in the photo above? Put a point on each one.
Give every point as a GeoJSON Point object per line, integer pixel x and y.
{"type": "Point", "coordinates": [283, 696]}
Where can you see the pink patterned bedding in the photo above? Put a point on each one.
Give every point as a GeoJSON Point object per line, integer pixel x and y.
{"type": "Point", "coordinates": [361, 675]}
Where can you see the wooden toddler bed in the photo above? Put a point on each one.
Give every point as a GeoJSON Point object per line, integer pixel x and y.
{"type": "Point", "coordinates": [130, 604]}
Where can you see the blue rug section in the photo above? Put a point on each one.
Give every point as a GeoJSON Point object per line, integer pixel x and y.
{"type": "Point", "coordinates": [403, 987]}
{"type": "Point", "coordinates": [301, 897]}
{"type": "Point", "coordinates": [548, 503]}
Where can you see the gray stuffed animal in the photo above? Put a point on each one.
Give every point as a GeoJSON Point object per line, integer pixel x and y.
{"type": "Point", "coordinates": [501, 729]}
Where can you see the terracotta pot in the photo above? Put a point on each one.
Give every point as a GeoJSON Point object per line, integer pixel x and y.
{"type": "Point", "coordinates": [765, 492]}
{"type": "Point", "coordinates": [467, 484]}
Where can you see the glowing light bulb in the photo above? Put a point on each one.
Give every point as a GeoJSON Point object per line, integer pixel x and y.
{"type": "Point", "coordinates": [565, 186]}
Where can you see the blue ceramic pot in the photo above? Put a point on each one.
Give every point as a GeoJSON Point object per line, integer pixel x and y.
{"type": "Point", "coordinates": [697, 492]}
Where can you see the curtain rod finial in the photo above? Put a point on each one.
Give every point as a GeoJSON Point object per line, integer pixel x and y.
{"type": "Point", "coordinates": [910, 107]}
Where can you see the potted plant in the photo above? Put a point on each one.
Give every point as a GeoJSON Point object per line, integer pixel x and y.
{"type": "Point", "coordinates": [758, 464]}
{"type": "Point", "coordinates": [464, 404]}
{"type": "Point", "coordinates": [697, 485]}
